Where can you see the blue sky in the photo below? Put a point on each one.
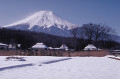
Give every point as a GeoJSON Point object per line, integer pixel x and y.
{"type": "Point", "coordinates": [76, 11]}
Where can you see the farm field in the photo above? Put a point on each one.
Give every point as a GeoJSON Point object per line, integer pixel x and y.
{"type": "Point", "coordinates": [50, 67]}
{"type": "Point", "coordinates": [96, 53]}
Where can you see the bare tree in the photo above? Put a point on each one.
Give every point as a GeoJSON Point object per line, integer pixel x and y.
{"type": "Point", "coordinates": [96, 31]}
{"type": "Point", "coordinates": [102, 32]}
{"type": "Point", "coordinates": [74, 33]}
{"type": "Point", "coordinates": [87, 31]}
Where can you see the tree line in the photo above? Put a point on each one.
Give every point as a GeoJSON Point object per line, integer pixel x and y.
{"type": "Point", "coordinates": [89, 33]}
{"type": "Point", "coordinates": [100, 35]}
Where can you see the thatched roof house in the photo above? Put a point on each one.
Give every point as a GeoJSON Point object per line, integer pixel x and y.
{"type": "Point", "coordinates": [39, 46]}
{"type": "Point", "coordinates": [90, 47]}
{"type": "Point", "coordinates": [3, 46]}
{"type": "Point", "coordinates": [64, 47]}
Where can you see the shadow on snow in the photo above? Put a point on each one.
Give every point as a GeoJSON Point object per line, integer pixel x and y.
{"type": "Point", "coordinates": [16, 66]}
{"type": "Point", "coordinates": [25, 65]}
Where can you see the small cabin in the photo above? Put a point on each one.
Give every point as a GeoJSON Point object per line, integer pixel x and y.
{"type": "Point", "coordinates": [3, 46]}
{"type": "Point", "coordinates": [90, 47]}
{"type": "Point", "coordinates": [64, 47]}
{"type": "Point", "coordinates": [39, 46]}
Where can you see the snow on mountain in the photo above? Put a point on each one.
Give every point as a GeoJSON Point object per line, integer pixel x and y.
{"type": "Point", "coordinates": [44, 21]}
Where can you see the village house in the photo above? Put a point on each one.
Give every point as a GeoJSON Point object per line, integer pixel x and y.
{"type": "Point", "coordinates": [64, 47]}
{"type": "Point", "coordinates": [39, 46]}
{"type": "Point", "coordinates": [14, 46]}
{"type": "Point", "coordinates": [90, 47]}
{"type": "Point", "coordinates": [3, 46]}
{"type": "Point", "coordinates": [43, 46]}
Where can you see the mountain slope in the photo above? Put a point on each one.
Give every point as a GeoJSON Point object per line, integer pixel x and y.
{"type": "Point", "coordinates": [44, 21]}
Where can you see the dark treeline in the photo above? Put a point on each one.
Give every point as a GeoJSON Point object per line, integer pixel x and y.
{"type": "Point", "coordinates": [28, 38]}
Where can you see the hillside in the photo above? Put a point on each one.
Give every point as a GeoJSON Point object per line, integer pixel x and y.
{"type": "Point", "coordinates": [29, 38]}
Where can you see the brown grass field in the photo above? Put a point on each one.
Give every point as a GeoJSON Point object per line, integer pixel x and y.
{"type": "Point", "coordinates": [6, 53]}
{"type": "Point", "coordinates": [97, 53]}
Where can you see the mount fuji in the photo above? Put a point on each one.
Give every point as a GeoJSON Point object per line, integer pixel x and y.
{"type": "Point", "coordinates": [44, 21]}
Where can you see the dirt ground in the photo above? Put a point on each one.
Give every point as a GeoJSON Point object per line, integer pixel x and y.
{"type": "Point", "coordinates": [97, 53]}
{"type": "Point", "coordinates": [7, 52]}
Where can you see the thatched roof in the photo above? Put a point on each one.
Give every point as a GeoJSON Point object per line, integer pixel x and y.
{"type": "Point", "coordinates": [90, 47]}
{"type": "Point", "coordinates": [39, 46]}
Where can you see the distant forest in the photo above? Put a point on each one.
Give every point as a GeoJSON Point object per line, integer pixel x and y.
{"type": "Point", "coordinates": [29, 38]}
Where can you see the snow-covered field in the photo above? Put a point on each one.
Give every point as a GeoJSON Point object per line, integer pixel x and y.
{"type": "Point", "coordinates": [45, 67]}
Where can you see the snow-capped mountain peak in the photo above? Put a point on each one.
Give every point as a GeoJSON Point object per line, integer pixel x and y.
{"type": "Point", "coordinates": [44, 21]}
